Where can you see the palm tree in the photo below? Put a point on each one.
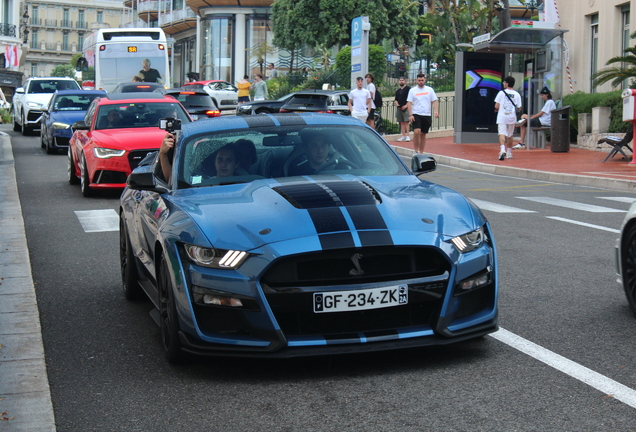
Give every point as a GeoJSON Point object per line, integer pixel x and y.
{"type": "Point", "coordinates": [625, 68]}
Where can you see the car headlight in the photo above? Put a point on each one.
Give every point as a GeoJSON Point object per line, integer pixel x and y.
{"type": "Point", "coordinates": [469, 242]}
{"type": "Point", "coordinates": [35, 105]}
{"type": "Point", "coordinates": [215, 258]}
{"type": "Point", "coordinates": [59, 125]}
{"type": "Point", "coordinates": [104, 153]}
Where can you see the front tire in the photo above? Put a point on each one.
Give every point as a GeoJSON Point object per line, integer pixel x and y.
{"type": "Point", "coordinates": [85, 183]}
{"type": "Point", "coordinates": [72, 178]}
{"type": "Point", "coordinates": [629, 267]}
{"type": "Point", "coordinates": [25, 131]}
{"type": "Point", "coordinates": [168, 318]}
{"type": "Point", "coordinates": [16, 126]}
{"type": "Point", "coordinates": [128, 265]}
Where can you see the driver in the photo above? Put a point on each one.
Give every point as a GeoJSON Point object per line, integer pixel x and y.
{"type": "Point", "coordinates": [316, 154]}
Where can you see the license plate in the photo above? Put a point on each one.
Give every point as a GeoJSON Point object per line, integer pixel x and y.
{"type": "Point", "coordinates": [373, 298]}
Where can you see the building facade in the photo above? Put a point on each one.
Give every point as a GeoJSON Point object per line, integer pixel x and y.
{"type": "Point", "coordinates": [57, 29]}
{"type": "Point", "coordinates": [12, 26]}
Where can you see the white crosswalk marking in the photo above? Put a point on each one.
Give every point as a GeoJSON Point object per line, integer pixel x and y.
{"type": "Point", "coordinates": [98, 220]}
{"type": "Point", "coordinates": [498, 208]}
{"type": "Point", "coordinates": [627, 200]}
{"type": "Point", "coordinates": [585, 224]}
{"type": "Point", "coordinates": [572, 205]}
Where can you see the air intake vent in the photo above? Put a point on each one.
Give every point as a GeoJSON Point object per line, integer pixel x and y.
{"type": "Point", "coordinates": [329, 194]}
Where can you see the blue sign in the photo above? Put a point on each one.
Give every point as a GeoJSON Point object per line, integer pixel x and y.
{"type": "Point", "coordinates": [356, 67]}
{"type": "Point", "coordinates": [356, 51]}
{"type": "Point", "coordinates": [356, 32]}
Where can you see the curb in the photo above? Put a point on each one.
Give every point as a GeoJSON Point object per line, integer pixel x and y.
{"type": "Point", "coordinates": [547, 176]}
{"type": "Point", "coordinates": [25, 395]}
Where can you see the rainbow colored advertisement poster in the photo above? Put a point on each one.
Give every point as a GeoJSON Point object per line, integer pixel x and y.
{"type": "Point", "coordinates": [483, 78]}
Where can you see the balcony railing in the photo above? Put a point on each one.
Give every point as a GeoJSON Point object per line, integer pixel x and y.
{"type": "Point", "coordinates": [50, 22]}
{"type": "Point", "coordinates": [35, 21]}
{"type": "Point", "coordinates": [66, 23]}
{"type": "Point", "coordinates": [136, 24]}
{"type": "Point", "coordinates": [7, 30]}
{"type": "Point", "coordinates": [148, 6]}
{"type": "Point", "coordinates": [81, 24]}
{"type": "Point", "coordinates": [176, 15]}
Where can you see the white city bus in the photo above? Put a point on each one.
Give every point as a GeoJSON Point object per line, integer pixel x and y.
{"type": "Point", "coordinates": [119, 54]}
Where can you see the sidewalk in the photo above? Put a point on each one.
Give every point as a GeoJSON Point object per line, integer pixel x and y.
{"type": "Point", "coordinates": [578, 166]}
{"type": "Point", "coordinates": [25, 399]}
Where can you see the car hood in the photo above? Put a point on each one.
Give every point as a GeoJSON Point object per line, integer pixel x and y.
{"type": "Point", "coordinates": [129, 139]}
{"type": "Point", "coordinates": [41, 98]}
{"type": "Point", "coordinates": [68, 117]}
{"type": "Point", "coordinates": [402, 208]}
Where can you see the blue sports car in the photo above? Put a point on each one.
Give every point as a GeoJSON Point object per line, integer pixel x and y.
{"type": "Point", "coordinates": [281, 235]}
{"type": "Point", "coordinates": [65, 108]}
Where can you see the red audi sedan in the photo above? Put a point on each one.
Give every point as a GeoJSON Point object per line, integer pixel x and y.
{"type": "Point", "coordinates": [118, 131]}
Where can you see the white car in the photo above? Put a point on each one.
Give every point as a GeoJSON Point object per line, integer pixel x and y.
{"type": "Point", "coordinates": [224, 94]}
{"type": "Point", "coordinates": [36, 94]}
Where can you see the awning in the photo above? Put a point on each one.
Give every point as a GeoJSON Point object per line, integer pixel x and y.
{"type": "Point", "coordinates": [518, 40]}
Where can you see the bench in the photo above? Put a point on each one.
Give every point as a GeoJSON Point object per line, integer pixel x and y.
{"type": "Point", "coordinates": [540, 131]}
{"type": "Point", "coordinates": [618, 145]}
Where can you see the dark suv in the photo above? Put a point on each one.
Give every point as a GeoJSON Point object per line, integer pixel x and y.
{"type": "Point", "coordinates": [321, 101]}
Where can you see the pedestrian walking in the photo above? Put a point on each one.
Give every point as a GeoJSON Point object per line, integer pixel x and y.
{"type": "Point", "coordinates": [402, 109]}
{"type": "Point", "coordinates": [244, 87]}
{"type": "Point", "coordinates": [507, 103]}
{"type": "Point", "coordinates": [260, 88]}
{"type": "Point", "coordinates": [273, 73]}
{"type": "Point", "coordinates": [541, 119]}
{"type": "Point", "coordinates": [360, 101]}
{"type": "Point", "coordinates": [371, 87]}
{"type": "Point", "coordinates": [422, 102]}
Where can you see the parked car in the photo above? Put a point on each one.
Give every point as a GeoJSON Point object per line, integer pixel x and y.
{"type": "Point", "coordinates": [224, 94]}
{"type": "Point", "coordinates": [318, 101]}
{"type": "Point", "coordinates": [104, 150]}
{"type": "Point", "coordinates": [65, 108]}
{"type": "Point", "coordinates": [240, 257]}
{"type": "Point", "coordinates": [626, 257]}
{"type": "Point", "coordinates": [197, 102]}
{"type": "Point", "coordinates": [131, 87]}
{"type": "Point", "coordinates": [36, 94]}
{"type": "Point", "coordinates": [264, 106]}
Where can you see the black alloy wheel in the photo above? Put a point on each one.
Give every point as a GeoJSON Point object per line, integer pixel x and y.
{"type": "Point", "coordinates": [629, 267]}
{"type": "Point", "coordinates": [85, 183]}
{"type": "Point", "coordinates": [129, 274]}
{"type": "Point", "coordinates": [72, 178]}
{"type": "Point", "coordinates": [168, 319]}
{"type": "Point", "coordinates": [16, 126]}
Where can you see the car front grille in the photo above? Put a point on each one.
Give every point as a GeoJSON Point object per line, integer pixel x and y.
{"type": "Point", "coordinates": [229, 102]}
{"type": "Point", "coordinates": [472, 302]}
{"type": "Point", "coordinates": [109, 177]}
{"type": "Point", "coordinates": [34, 116]}
{"type": "Point", "coordinates": [62, 141]}
{"type": "Point", "coordinates": [136, 156]}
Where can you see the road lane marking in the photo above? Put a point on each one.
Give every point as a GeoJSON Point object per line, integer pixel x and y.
{"type": "Point", "coordinates": [628, 200]}
{"type": "Point", "coordinates": [98, 220]}
{"type": "Point", "coordinates": [498, 208]}
{"type": "Point", "coordinates": [602, 228]}
{"type": "Point", "coordinates": [572, 205]}
{"type": "Point", "coordinates": [594, 379]}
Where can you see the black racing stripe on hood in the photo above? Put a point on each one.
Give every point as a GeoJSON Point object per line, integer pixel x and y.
{"type": "Point", "coordinates": [367, 217]}
{"type": "Point", "coordinates": [375, 238]}
{"type": "Point", "coordinates": [290, 119]}
{"type": "Point", "coordinates": [329, 194]}
{"type": "Point", "coordinates": [340, 240]}
{"type": "Point", "coordinates": [328, 220]}
{"type": "Point", "coordinates": [259, 121]}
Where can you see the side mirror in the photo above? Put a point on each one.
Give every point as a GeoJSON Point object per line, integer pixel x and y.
{"type": "Point", "coordinates": [44, 109]}
{"type": "Point", "coordinates": [144, 180]}
{"type": "Point", "coordinates": [19, 90]}
{"type": "Point", "coordinates": [421, 164]}
{"type": "Point", "coordinates": [80, 125]}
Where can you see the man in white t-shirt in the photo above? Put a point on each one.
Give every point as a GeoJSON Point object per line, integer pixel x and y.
{"type": "Point", "coordinates": [507, 103]}
{"type": "Point", "coordinates": [541, 119]}
{"type": "Point", "coordinates": [371, 87]}
{"type": "Point", "coordinates": [421, 101]}
{"type": "Point", "coordinates": [360, 101]}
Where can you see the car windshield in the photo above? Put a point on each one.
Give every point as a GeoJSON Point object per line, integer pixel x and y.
{"type": "Point", "coordinates": [193, 100]}
{"type": "Point", "coordinates": [78, 102]}
{"type": "Point", "coordinates": [212, 159]}
{"type": "Point", "coordinates": [138, 114]}
{"type": "Point", "coordinates": [51, 86]}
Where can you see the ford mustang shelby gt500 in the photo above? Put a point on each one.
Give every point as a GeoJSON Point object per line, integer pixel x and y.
{"type": "Point", "coordinates": [302, 234]}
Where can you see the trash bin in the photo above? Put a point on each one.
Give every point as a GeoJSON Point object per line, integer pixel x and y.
{"type": "Point", "coordinates": [560, 130]}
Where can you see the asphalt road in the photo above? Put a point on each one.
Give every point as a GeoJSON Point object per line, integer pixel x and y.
{"type": "Point", "coordinates": [557, 290]}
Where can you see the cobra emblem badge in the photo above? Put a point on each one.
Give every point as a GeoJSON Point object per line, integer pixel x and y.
{"type": "Point", "coordinates": [356, 262]}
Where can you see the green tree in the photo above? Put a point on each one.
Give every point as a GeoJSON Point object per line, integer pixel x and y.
{"type": "Point", "coordinates": [377, 63]}
{"type": "Point", "coordinates": [328, 22]}
{"type": "Point", "coordinates": [64, 70]}
{"type": "Point", "coordinates": [451, 22]}
{"type": "Point", "coordinates": [260, 51]}
{"type": "Point", "coordinates": [624, 69]}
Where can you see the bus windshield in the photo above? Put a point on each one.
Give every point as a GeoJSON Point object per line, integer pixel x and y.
{"type": "Point", "coordinates": [120, 62]}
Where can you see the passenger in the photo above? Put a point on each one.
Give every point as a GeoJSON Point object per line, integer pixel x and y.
{"type": "Point", "coordinates": [227, 161]}
{"type": "Point", "coordinates": [247, 152]}
{"type": "Point", "coordinates": [316, 154]}
{"type": "Point", "coordinates": [114, 118]}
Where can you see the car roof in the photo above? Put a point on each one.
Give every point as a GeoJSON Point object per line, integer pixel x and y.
{"type": "Point", "coordinates": [320, 92]}
{"type": "Point", "coordinates": [80, 92]}
{"type": "Point", "coordinates": [180, 90]}
{"type": "Point", "coordinates": [51, 78]}
{"type": "Point", "coordinates": [136, 97]}
{"type": "Point", "coordinates": [205, 82]}
{"type": "Point", "coordinates": [268, 120]}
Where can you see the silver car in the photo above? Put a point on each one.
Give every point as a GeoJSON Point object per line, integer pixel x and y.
{"type": "Point", "coordinates": [223, 94]}
{"type": "Point", "coordinates": [626, 257]}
